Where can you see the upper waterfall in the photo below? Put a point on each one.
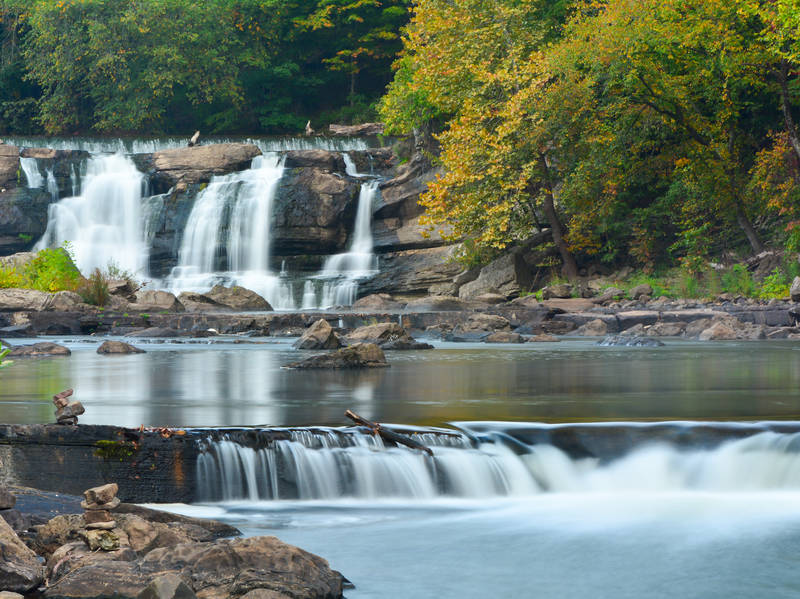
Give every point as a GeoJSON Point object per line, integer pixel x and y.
{"type": "Point", "coordinates": [104, 223]}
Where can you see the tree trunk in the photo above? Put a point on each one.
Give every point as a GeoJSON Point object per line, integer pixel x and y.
{"type": "Point", "coordinates": [749, 230]}
{"type": "Point", "coordinates": [568, 260]}
{"type": "Point", "coordinates": [791, 130]}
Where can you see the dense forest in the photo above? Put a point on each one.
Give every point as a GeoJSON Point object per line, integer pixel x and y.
{"type": "Point", "coordinates": [164, 66]}
{"type": "Point", "coordinates": [658, 132]}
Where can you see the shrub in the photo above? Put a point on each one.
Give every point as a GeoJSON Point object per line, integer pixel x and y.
{"type": "Point", "coordinates": [51, 270]}
{"type": "Point", "coordinates": [3, 354]}
{"type": "Point", "coordinates": [738, 281]}
{"type": "Point", "coordinates": [775, 285]}
{"type": "Point", "coordinates": [95, 290]}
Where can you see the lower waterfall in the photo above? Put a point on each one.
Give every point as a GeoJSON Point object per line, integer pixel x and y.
{"type": "Point", "coordinates": [329, 465]}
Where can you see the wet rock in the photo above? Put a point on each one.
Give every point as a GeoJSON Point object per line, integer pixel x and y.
{"type": "Point", "coordinates": [38, 350]}
{"type": "Point", "coordinates": [167, 586]}
{"type": "Point", "coordinates": [794, 290]}
{"type": "Point", "coordinates": [504, 337]}
{"type": "Point", "coordinates": [640, 290]}
{"type": "Point", "coordinates": [319, 335]}
{"type": "Point", "coordinates": [543, 338]}
{"type": "Point", "coordinates": [149, 300]}
{"type": "Point", "coordinates": [238, 298]}
{"type": "Point", "coordinates": [508, 275]}
{"type": "Point", "coordinates": [118, 347]}
{"type": "Point", "coordinates": [69, 414]}
{"type": "Point", "coordinates": [321, 159]}
{"type": "Point", "coordinates": [375, 161]}
{"type": "Point", "coordinates": [413, 272]}
{"type": "Point", "coordinates": [20, 570]}
{"type": "Point", "coordinates": [387, 335]}
{"type": "Point", "coordinates": [239, 566]}
{"type": "Point", "coordinates": [593, 328]}
{"type": "Point", "coordinates": [560, 291]}
{"type": "Point", "coordinates": [7, 499]}
{"type": "Point", "coordinates": [360, 355]}
{"type": "Point", "coordinates": [718, 331]}
{"type": "Point", "coordinates": [23, 217]}
{"type": "Point", "coordinates": [314, 212]}
{"type": "Point", "coordinates": [405, 343]}
{"type": "Point", "coordinates": [629, 341]}
{"type": "Point", "coordinates": [181, 167]}
{"type": "Point", "coordinates": [377, 302]}
{"type": "Point", "coordinates": [14, 300]}
{"type": "Point", "coordinates": [635, 330]}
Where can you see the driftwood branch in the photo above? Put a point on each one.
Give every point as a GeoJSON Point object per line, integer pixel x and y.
{"type": "Point", "coordinates": [386, 434]}
{"type": "Point", "coordinates": [195, 137]}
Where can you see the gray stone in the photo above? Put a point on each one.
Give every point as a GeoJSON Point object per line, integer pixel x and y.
{"type": "Point", "coordinates": [640, 290]}
{"type": "Point", "coordinates": [377, 302]}
{"type": "Point", "coordinates": [629, 341]}
{"type": "Point", "coordinates": [181, 167]}
{"type": "Point", "coordinates": [437, 303]}
{"type": "Point", "coordinates": [155, 332]}
{"type": "Point", "coordinates": [794, 290]}
{"type": "Point", "coordinates": [69, 301]}
{"type": "Point", "coordinates": [609, 295]}
{"type": "Point", "coordinates": [199, 302]}
{"type": "Point", "coordinates": [559, 291]}
{"type": "Point", "coordinates": [118, 347]}
{"type": "Point", "coordinates": [238, 298]}
{"type": "Point", "coordinates": [72, 410]}
{"type": "Point", "coordinates": [491, 299]}
{"type": "Point", "coordinates": [9, 166]}
{"type": "Point", "coordinates": [504, 337]}
{"type": "Point", "coordinates": [319, 335]}
{"type": "Point", "coordinates": [594, 328]}
{"type": "Point", "coordinates": [321, 159]}
{"type": "Point", "coordinates": [718, 331]}
{"type": "Point", "coordinates": [20, 570]}
{"type": "Point", "coordinates": [149, 300]}
{"type": "Point", "coordinates": [167, 586]}
{"type": "Point", "coordinates": [377, 333]}
{"type": "Point", "coordinates": [15, 300]}
{"type": "Point", "coordinates": [101, 494]}
{"type": "Point", "coordinates": [666, 329]}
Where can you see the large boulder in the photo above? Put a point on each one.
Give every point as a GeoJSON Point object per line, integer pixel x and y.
{"type": "Point", "coordinates": [593, 328]}
{"type": "Point", "coordinates": [321, 159]}
{"type": "Point", "coordinates": [200, 302]}
{"type": "Point", "coordinates": [150, 300]}
{"type": "Point", "coordinates": [238, 298]}
{"type": "Point", "coordinates": [9, 166]}
{"type": "Point", "coordinates": [360, 130]}
{"type": "Point", "coordinates": [15, 300]}
{"type": "Point", "coordinates": [319, 335]}
{"type": "Point", "coordinates": [557, 291]}
{"type": "Point", "coordinates": [69, 301]}
{"type": "Point", "coordinates": [609, 295]}
{"type": "Point", "coordinates": [360, 355]}
{"type": "Point", "coordinates": [314, 211]}
{"type": "Point", "coordinates": [182, 167]}
{"type": "Point", "coordinates": [376, 302]}
{"type": "Point", "coordinates": [23, 217]}
{"type": "Point", "coordinates": [388, 335]}
{"type": "Point", "coordinates": [508, 275]}
{"type": "Point", "coordinates": [413, 272]}
{"type": "Point", "coordinates": [640, 290]}
{"type": "Point", "coordinates": [20, 570]}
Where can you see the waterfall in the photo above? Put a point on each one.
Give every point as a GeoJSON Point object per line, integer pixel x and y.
{"type": "Point", "coordinates": [341, 272]}
{"type": "Point", "coordinates": [331, 465]}
{"type": "Point", "coordinates": [30, 168]}
{"type": "Point", "coordinates": [104, 223]}
{"type": "Point", "coordinates": [227, 236]}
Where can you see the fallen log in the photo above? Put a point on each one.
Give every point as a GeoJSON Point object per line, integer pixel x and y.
{"type": "Point", "coordinates": [386, 434]}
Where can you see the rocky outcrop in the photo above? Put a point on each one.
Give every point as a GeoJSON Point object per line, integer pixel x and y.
{"type": "Point", "coordinates": [181, 167]}
{"type": "Point", "coordinates": [437, 303]}
{"type": "Point", "coordinates": [23, 217]}
{"type": "Point", "coordinates": [413, 272]}
{"type": "Point", "coordinates": [504, 337]}
{"type": "Point", "coordinates": [360, 355]}
{"type": "Point", "coordinates": [314, 212]}
{"type": "Point", "coordinates": [508, 275]}
{"type": "Point", "coordinates": [9, 166]}
{"type": "Point", "coordinates": [319, 159]}
{"type": "Point", "coordinates": [360, 130]}
{"type": "Point", "coordinates": [377, 302]}
{"type": "Point", "coordinates": [200, 302]}
{"type": "Point", "coordinates": [14, 300]}
{"type": "Point", "coordinates": [374, 161]}
{"type": "Point", "coordinates": [387, 335]}
{"type": "Point", "coordinates": [319, 335]}
{"type": "Point", "coordinates": [559, 291]}
{"type": "Point", "coordinates": [118, 347]}
{"type": "Point", "coordinates": [20, 570]}
{"type": "Point", "coordinates": [238, 298]}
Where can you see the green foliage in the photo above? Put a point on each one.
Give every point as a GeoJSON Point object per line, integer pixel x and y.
{"type": "Point", "coordinates": [775, 285]}
{"type": "Point", "coordinates": [51, 270]}
{"type": "Point", "coordinates": [95, 290]}
{"type": "Point", "coordinates": [3, 354]}
{"type": "Point", "coordinates": [115, 450]}
{"type": "Point", "coordinates": [738, 281]}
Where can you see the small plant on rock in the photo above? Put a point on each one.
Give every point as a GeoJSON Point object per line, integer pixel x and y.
{"type": "Point", "coordinates": [95, 290]}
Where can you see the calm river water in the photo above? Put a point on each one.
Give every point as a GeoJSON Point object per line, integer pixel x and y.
{"type": "Point", "coordinates": [722, 523]}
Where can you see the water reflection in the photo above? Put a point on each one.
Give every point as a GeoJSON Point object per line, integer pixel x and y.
{"type": "Point", "coordinates": [229, 384]}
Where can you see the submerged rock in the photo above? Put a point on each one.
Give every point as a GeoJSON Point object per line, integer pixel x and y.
{"type": "Point", "coordinates": [38, 350]}
{"type": "Point", "coordinates": [118, 347]}
{"type": "Point", "coordinates": [629, 341]}
{"type": "Point", "coordinates": [360, 355]}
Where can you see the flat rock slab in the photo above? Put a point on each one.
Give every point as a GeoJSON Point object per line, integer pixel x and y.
{"type": "Point", "coordinates": [38, 350]}
{"type": "Point", "coordinates": [360, 355]}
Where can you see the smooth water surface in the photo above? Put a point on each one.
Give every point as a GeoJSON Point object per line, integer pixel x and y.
{"type": "Point", "coordinates": [218, 382]}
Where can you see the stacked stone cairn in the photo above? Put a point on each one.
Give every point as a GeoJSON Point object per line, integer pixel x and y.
{"type": "Point", "coordinates": [98, 503]}
{"type": "Point", "coordinates": [67, 412]}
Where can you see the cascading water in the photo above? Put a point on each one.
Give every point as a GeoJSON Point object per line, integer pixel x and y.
{"type": "Point", "coordinates": [233, 214]}
{"type": "Point", "coordinates": [331, 465]}
{"type": "Point", "coordinates": [342, 272]}
{"type": "Point", "coordinates": [30, 169]}
{"type": "Point", "coordinates": [104, 223]}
